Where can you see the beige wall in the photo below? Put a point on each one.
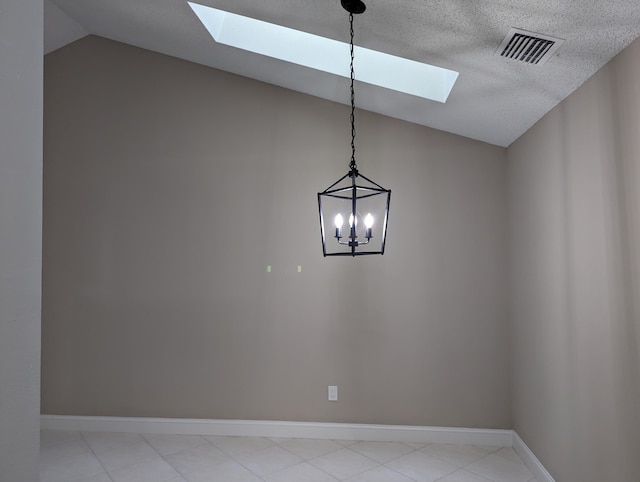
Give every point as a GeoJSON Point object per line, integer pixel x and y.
{"type": "Point", "coordinates": [574, 196]}
{"type": "Point", "coordinates": [20, 237]}
{"type": "Point", "coordinates": [169, 188]}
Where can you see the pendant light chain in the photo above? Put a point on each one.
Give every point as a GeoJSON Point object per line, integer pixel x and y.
{"type": "Point", "coordinates": [352, 165]}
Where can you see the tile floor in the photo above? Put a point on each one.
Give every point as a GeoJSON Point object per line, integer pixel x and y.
{"type": "Point", "coordinates": [128, 457]}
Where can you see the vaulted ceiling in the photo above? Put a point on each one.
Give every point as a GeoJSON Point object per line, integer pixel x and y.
{"type": "Point", "coordinates": [494, 100]}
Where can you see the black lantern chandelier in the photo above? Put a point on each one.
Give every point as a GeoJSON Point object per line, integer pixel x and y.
{"type": "Point", "coordinates": [354, 197]}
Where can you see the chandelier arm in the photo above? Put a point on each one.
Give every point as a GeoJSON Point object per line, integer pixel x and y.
{"type": "Point", "coordinates": [372, 182]}
{"type": "Point", "coordinates": [337, 182]}
{"type": "Point", "coordinates": [353, 243]}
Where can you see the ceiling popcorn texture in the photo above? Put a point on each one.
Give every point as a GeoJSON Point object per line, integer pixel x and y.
{"type": "Point", "coordinates": [495, 100]}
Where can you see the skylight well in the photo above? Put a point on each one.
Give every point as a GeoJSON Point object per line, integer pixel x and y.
{"type": "Point", "coordinates": [327, 55]}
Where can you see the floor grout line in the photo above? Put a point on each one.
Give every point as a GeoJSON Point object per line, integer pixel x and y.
{"type": "Point", "coordinates": [95, 455]}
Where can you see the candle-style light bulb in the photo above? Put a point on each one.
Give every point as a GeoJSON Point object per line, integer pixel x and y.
{"type": "Point", "coordinates": [368, 222]}
{"type": "Point", "coordinates": [338, 222]}
{"type": "Point", "coordinates": [353, 227]}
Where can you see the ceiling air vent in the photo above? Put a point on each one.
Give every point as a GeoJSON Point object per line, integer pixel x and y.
{"type": "Point", "coordinates": [529, 47]}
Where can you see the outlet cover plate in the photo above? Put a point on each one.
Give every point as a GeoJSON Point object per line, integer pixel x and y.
{"type": "Point", "coordinates": [333, 393]}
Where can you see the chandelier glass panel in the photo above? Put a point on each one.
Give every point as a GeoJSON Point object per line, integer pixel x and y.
{"type": "Point", "coordinates": [354, 210]}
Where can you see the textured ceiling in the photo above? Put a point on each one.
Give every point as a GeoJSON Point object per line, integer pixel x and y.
{"type": "Point", "coordinates": [494, 100]}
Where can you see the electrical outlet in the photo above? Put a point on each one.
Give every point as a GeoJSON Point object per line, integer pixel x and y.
{"type": "Point", "coordinates": [333, 393]}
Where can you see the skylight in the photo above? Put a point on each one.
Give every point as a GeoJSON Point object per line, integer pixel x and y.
{"type": "Point", "coordinates": [327, 55]}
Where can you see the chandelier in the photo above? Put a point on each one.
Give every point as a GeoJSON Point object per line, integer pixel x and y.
{"type": "Point", "coordinates": [354, 197]}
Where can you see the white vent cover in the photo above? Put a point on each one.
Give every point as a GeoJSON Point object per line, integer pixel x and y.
{"type": "Point", "coordinates": [529, 47]}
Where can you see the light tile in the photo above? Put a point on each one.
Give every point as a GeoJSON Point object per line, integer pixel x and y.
{"type": "Point", "coordinates": [269, 460]}
{"type": "Point", "coordinates": [171, 444]}
{"type": "Point", "coordinates": [126, 455]}
{"type": "Point", "coordinates": [49, 438]}
{"type": "Point", "coordinates": [417, 445]}
{"type": "Point", "coordinates": [240, 445]}
{"type": "Point", "coordinates": [67, 448]}
{"type": "Point", "coordinates": [509, 454]}
{"type": "Point", "coordinates": [303, 472]}
{"type": "Point", "coordinates": [456, 454]}
{"type": "Point", "coordinates": [155, 470]}
{"type": "Point", "coordinates": [228, 471]}
{"type": "Point", "coordinates": [421, 467]}
{"type": "Point", "coordinates": [104, 441]}
{"type": "Point", "coordinates": [68, 456]}
{"type": "Point", "coordinates": [102, 477]}
{"type": "Point", "coordinates": [198, 461]}
{"type": "Point", "coordinates": [380, 474]}
{"type": "Point", "coordinates": [381, 452]}
{"type": "Point", "coordinates": [491, 448]}
{"type": "Point", "coordinates": [279, 440]}
{"type": "Point", "coordinates": [67, 469]}
{"type": "Point", "coordinates": [500, 469]}
{"type": "Point", "coordinates": [310, 448]}
{"type": "Point", "coordinates": [343, 463]}
{"type": "Point", "coordinates": [346, 443]}
{"type": "Point", "coordinates": [463, 476]}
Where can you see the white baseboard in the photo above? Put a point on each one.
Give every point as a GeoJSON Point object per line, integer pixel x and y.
{"type": "Point", "coordinates": [255, 428]}
{"type": "Point", "coordinates": [530, 460]}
